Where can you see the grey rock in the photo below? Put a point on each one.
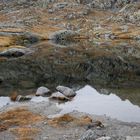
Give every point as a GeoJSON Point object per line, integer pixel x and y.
{"type": "Point", "coordinates": [42, 91]}
{"type": "Point", "coordinates": [66, 91]}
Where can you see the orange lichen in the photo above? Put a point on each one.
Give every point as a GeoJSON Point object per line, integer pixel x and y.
{"type": "Point", "coordinates": [59, 121]}
{"type": "Point", "coordinates": [67, 119]}
{"type": "Point", "coordinates": [18, 117]}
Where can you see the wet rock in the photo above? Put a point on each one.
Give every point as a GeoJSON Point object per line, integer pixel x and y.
{"type": "Point", "coordinates": [59, 96]}
{"type": "Point", "coordinates": [42, 91]}
{"type": "Point", "coordinates": [13, 52]}
{"type": "Point", "coordinates": [66, 91]}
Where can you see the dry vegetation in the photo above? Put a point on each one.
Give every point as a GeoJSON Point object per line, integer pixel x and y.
{"type": "Point", "coordinates": [66, 120]}
{"type": "Point", "coordinates": [14, 96]}
{"type": "Point", "coordinates": [18, 121]}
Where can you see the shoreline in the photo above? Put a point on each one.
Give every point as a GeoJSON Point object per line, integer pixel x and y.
{"type": "Point", "coordinates": [113, 128]}
{"type": "Point", "coordinates": [55, 124]}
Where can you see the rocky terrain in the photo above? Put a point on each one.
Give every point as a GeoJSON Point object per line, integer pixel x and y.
{"type": "Point", "coordinates": [74, 42]}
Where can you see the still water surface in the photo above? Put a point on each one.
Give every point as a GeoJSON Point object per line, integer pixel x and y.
{"type": "Point", "coordinates": [90, 101]}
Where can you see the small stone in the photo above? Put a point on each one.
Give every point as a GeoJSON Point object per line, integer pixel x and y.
{"type": "Point", "coordinates": [66, 91]}
{"type": "Point", "coordinates": [42, 91]}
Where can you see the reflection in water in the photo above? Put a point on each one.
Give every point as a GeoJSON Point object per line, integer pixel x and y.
{"type": "Point", "coordinates": [90, 101]}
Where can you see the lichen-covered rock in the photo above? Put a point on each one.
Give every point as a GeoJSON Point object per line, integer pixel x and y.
{"type": "Point", "coordinates": [66, 91]}
{"type": "Point", "coordinates": [42, 91]}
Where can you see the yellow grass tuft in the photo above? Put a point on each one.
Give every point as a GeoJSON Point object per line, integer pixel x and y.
{"type": "Point", "coordinates": [67, 119]}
